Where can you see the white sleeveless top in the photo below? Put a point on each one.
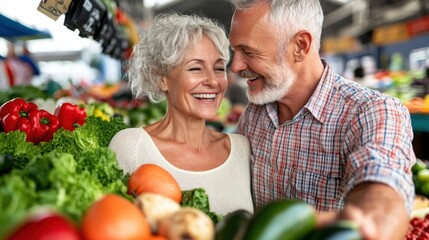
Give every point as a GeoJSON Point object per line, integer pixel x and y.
{"type": "Point", "coordinates": [228, 186]}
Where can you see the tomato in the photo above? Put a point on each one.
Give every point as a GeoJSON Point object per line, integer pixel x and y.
{"type": "Point", "coordinates": [151, 178]}
{"type": "Point", "coordinates": [45, 225]}
{"type": "Point", "coordinates": [114, 217]}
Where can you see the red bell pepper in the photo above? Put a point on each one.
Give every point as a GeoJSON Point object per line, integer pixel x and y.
{"type": "Point", "coordinates": [70, 115]}
{"type": "Point", "coordinates": [18, 114]}
{"type": "Point", "coordinates": [44, 125]}
{"type": "Point", "coordinates": [14, 115]}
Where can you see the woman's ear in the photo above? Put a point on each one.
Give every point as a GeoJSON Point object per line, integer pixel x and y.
{"type": "Point", "coordinates": [163, 84]}
{"type": "Point", "coordinates": [303, 41]}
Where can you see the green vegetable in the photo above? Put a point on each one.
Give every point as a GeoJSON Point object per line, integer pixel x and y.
{"type": "Point", "coordinates": [15, 144]}
{"type": "Point", "coordinates": [341, 230]}
{"type": "Point", "coordinates": [26, 92]}
{"type": "Point", "coordinates": [423, 175]}
{"type": "Point", "coordinates": [233, 225]}
{"type": "Point", "coordinates": [6, 163]}
{"type": "Point", "coordinates": [17, 196]}
{"type": "Point", "coordinates": [419, 165]}
{"type": "Point", "coordinates": [67, 183]}
{"type": "Point", "coordinates": [93, 134]}
{"type": "Point", "coordinates": [424, 189]}
{"type": "Point", "coordinates": [284, 219]}
{"type": "Point", "coordinates": [100, 109]}
{"type": "Point", "coordinates": [198, 198]}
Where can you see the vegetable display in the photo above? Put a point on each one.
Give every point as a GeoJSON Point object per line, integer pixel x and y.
{"type": "Point", "coordinates": [67, 173]}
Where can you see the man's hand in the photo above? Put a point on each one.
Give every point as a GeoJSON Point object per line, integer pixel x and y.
{"type": "Point", "coordinates": [379, 211]}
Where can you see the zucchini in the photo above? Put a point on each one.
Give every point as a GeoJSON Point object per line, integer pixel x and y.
{"type": "Point", "coordinates": [233, 225]}
{"type": "Point", "coordinates": [281, 220]}
{"type": "Point", "coordinates": [341, 230]}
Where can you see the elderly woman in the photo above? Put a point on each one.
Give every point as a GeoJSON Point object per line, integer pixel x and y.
{"type": "Point", "coordinates": [183, 59]}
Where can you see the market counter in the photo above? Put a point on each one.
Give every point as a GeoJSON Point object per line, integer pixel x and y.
{"type": "Point", "coordinates": [420, 122]}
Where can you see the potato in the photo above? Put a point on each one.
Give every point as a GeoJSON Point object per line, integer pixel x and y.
{"type": "Point", "coordinates": [187, 224]}
{"type": "Point", "coordinates": [155, 207]}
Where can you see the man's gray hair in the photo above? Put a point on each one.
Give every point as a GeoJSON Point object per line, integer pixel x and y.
{"type": "Point", "coordinates": [291, 16]}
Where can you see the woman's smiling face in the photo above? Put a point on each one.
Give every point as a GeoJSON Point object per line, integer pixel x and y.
{"type": "Point", "coordinates": [196, 87]}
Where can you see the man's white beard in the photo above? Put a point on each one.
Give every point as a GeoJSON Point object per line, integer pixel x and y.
{"type": "Point", "coordinates": [275, 87]}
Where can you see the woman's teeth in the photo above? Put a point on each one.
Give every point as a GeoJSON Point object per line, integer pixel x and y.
{"type": "Point", "coordinates": [204, 96]}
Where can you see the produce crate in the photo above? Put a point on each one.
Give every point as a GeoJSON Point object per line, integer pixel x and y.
{"type": "Point", "coordinates": [420, 122]}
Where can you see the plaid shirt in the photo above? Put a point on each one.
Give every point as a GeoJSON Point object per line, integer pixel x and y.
{"type": "Point", "coordinates": [345, 135]}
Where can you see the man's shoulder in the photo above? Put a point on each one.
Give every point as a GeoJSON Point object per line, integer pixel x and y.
{"type": "Point", "coordinates": [356, 93]}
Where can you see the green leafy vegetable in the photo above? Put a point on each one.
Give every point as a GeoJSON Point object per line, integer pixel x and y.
{"type": "Point", "coordinates": [93, 134]}
{"type": "Point", "coordinates": [26, 92]}
{"type": "Point", "coordinates": [14, 144]}
{"type": "Point", "coordinates": [61, 181]}
{"type": "Point", "coordinates": [198, 198]}
{"type": "Point", "coordinates": [17, 196]}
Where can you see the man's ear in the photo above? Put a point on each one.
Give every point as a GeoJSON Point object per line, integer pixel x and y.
{"type": "Point", "coordinates": [303, 41]}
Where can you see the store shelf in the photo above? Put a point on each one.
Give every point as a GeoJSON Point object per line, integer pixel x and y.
{"type": "Point", "coordinates": [420, 122]}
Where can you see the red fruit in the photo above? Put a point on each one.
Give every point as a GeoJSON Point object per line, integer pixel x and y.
{"type": "Point", "coordinates": [415, 221]}
{"type": "Point", "coordinates": [45, 225]}
{"type": "Point", "coordinates": [424, 235]}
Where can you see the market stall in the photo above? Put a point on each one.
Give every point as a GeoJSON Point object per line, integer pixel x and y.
{"type": "Point", "coordinates": [13, 30]}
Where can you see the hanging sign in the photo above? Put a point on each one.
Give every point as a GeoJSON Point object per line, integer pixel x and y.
{"type": "Point", "coordinates": [54, 8]}
{"type": "Point", "coordinates": [390, 34]}
{"type": "Point", "coordinates": [418, 26]}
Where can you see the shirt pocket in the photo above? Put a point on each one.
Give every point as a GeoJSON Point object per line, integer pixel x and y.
{"type": "Point", "coordinates": [324, 191]}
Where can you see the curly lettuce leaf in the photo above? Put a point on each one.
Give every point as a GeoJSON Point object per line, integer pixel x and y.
{"type": "Point", "coordinates": [198, 198]}
{"type": "Point", "coordinates": [95, 133]}
{"type": "Point", "coordinates": [17, 196]}
{"type": "Point", "coordinates": [14, 144]}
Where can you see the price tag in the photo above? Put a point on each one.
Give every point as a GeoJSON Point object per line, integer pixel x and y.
{"type": "Point", "coordinates": [53, 8]}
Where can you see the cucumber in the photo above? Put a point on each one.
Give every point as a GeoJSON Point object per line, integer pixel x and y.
{"type": "Point", "coordinates": [341, 230]}
{"type": "Point", "coordinates": [233, 225]}
{"type": "Point", "coordinates": [281, 220]}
